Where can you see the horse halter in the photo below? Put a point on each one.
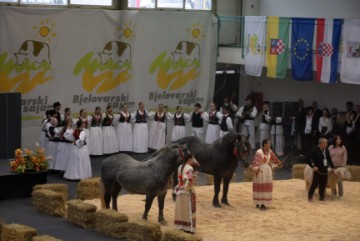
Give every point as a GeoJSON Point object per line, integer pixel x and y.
{"type": "Point", "coordinates": [181, 154]}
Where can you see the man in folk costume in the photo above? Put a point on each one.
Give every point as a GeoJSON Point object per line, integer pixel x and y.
{"type": "Point", "coordinates": [185, 205]}
{"type": "Point", "coordinates": [53, 133]}
{"type": "Point", "coordinates": [57, 107]}
{"type": "Point", "coordinates": [226, 125]}
{"type": "Point", "coordinates": [198, 117]}
{"type": "Point", "coordinates": [264, 128]}
{"type": "Point", "coordinates": [213, 129]}
{"type": "Point", "coordinates": [232, 107]}
{"type": "Point", "coordinates": [157, 128]}
{"type": "Point", "coordinates": [179, 119]}
{"type": "Point", "coordinates": [246, 115]}
{"type": "Point", "coordinates": [263, 162]}
{"type": "Point", "coordinates": [140, 131]}
{"type": "Point", "coordinates": [319, 159]}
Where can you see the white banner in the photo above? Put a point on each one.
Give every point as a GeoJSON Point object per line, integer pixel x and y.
{"type": "Point", "coordinates": [254, 35]}
{"type": "Point", "coordinates": [350, 71]}
{"type": "Point", "coordinates": [88, 58]}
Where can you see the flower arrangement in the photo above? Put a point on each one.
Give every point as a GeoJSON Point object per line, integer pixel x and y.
{"type": "Point", "coordinates": [32, 160]}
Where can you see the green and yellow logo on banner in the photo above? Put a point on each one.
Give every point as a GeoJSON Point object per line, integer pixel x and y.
{"type": "Point", "coordinates": [31, 65]}
{"type": "Point", "coordinates": [183, 65]}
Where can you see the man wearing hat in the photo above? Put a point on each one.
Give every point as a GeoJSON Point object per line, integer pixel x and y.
{"type": "Point", "coordinates": [246, 115]}
{"type": "Point", "coordinates": [226, 124]}
{"type": "Point", "coordinates": [197, 118]}
{"type": "Point", "coordinates": [57, 107]}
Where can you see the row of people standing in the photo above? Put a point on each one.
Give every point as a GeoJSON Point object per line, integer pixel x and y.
{"type": "Point", "coordinates": [109, 133]}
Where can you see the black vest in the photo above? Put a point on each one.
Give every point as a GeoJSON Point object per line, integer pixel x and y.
{"type": "Point", "coordinates": [223, 125]}
{"type": "Point", "coordinates": [197, 121]}
{"type": "Point", "coordinates": [246, 109]}
{"type": "Point", "coordinates": [107, 121]}
{"type": "Point", "coordinates": [263, 119]}
{"type": "Point", "coordinates": [124, 119]}
{"type": "Point", "coordinates": [213, 118]}
{"type": "Point", "coordinates": [158, 118]}
{"type": "Point", "coordinates": [179, 121]}
{"type": "Point", "coordinates": [95, 122]}
{"type": "Point", "coordinates": [58, 117]}
{"type": "Point", "coordinates": [140, 118]}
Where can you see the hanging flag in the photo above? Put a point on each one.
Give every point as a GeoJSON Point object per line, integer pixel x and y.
{"type": "Point", "coordinates": [350, 61]}
{"type": "Point", "coordinates": [254, 44]}
{"type": "Point", "coordinates": [328, 33]}
{"type": "Point", "coordinates": [277, 42]}
{"type": "Point", "coordinates": [301, 48]}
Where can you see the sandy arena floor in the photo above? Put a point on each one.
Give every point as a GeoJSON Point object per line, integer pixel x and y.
{"type": "Point", "coordinates": [290, 217]}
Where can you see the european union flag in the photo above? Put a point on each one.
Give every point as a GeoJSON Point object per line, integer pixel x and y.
{"type": "Point", "coordinates": [301, 48]}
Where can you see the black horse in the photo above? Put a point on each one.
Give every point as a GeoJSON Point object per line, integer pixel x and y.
{"type": "Point", "coordinates": [219, 159]}
{"type": "Point", "coordinates": [150, 177]}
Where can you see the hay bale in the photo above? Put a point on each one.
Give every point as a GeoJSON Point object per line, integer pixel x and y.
{"type": "Point", "coordinates": [17, 232]}
{"type": "Point", "coordinates": [111, 223]}
{"type": "Point", "coordinates": [298, 171]}
{"type": "Point", "coordinates": [143, 230]}
{"type": "Point", "coordinates": [177, 235]}
{"type": "Point", "coordinates": [81, 214]}
{"type": "Point", "coordinates": [2, 223]}
{"type": "Point", "coordinates": [88, 188]}
{"type": "Point", "coordinates": [59, 188]}
{"type": "Point", "coordinates": [49, 202]}
{"type": "Point", "coordinates": [45, 238]}
{"type": "Point", "coordinates": [355, 173]}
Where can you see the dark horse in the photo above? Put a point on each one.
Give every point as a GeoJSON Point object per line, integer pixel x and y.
{"type": "Point", "coordinates": [219, 159]}
{"type": "Point", "coordinates": [150, 177]}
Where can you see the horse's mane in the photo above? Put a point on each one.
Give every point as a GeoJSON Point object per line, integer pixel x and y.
{"type": "Point", "coordinates": [161, 151]}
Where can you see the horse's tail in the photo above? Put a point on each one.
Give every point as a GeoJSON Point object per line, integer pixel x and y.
{"type": "Point", "coordinates": [102, 194]}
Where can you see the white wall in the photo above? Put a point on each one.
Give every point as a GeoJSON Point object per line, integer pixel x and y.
{"type": "Point", "coordinates": [310, 8]}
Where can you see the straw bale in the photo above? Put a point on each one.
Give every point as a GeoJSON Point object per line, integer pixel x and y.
{"type": "Point", "coordinates": [81, 214]}
{"type": "Point", "coordinates": [298, 171]}
{"type": "Point", "coordinates": [140, 230]}
{"type": "Point", "coordinates": [355, 173]}
{"type": "Point", "coordinates": [1, 224]}
{"type": "Point", "coordinates": [177, 235]}
{"type": "Point", "coordinates": [17, 232]}
{"type": "Point", "coordinates": [56, 187]}
{"type": "Point", "coordinates": [49, 202]}
{"type": "Point", "coordinates": [45, 238]}
{"type": "Point", "coordinates": [88, 188]}
{"type": "Point", "coordinates": [111, 223]}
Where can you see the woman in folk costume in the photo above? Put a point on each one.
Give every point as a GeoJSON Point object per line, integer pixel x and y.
{"type": "Point", "coordinates": [84, 118]}
{"type": "Point", "coordinates": [109, 132]}
{"type": "Point", "coordinates": [53, 133]}
{"type": "Point", "coordinates": [179, 119]}
{"type": "Point", "coordinates": [185, 205]}
{"type": "Point", "coordinates": [124, 129]}
{"type": "Point", "coordinates": [264, 161]}
{"type": "Point", "coordinates": [96, 145]}
{"type": "Point", "coordinates": [157, 129]}
{"type": "Point", "coordinates": [213, 129]}
{"type": "Point", "coordinates": [140, 131]}
{"type": "Point", "coordinates": [65, 145]}
{"type": "Point", "coordinates": [79, 165]}
{"type": "Point", "coordinates": [43, 138]}
{"type": "Point", "coordinates": [67, 116]}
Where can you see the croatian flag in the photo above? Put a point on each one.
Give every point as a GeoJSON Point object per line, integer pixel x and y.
{"type": "Point", "coordinates": [328, 34]}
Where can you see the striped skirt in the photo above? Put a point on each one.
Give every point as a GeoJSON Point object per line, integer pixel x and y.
{"type": "Point", "coordinates": [185, 212]}
{"type": "Point", "coordinates": [262, 185]}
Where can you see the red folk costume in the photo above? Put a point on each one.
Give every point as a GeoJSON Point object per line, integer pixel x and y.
{"type": "Point", "coordinates": [262, 165]}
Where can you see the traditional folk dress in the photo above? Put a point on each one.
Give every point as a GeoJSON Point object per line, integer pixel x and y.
{"type": "Point", "coordinates": [67, 117]}
{"type": "Point", "coordinates": [277, 136]}
{"type": "Point", "coordinates": [185, 206]}
{"type": "Point", "coordinates": [226, 125]}
{"type": "Point", "coordinates": [95, 145]}
{"type": "Point", "coordinates": [213, 129]}
{"type": "Point", "coordinates": [197, 119]}
{"type": "Point", "coordinates": [179, 129]}
{"type": "Point", "coordinates": [43, 138]}
{"type": "Point", "coordinates": [157, 131]}
{"type": "Point", "coordinates": [263, 177]}
{"type": "Point", "coordinates": [140, 132]}
{"type": "Point", "coordinates": [64, 149]}
{"type": "Point", "coordinates": [124, 132]}
{"type": "Point", "coordinates": [86, 128]}
{"type": "Point", "coordinates": [79, 165]}
{"type": "Point", "coordinates": [109, 134]}
{"type": "Point", "coordinates": [53, 133]}
{"type": "Point", "coordinates": [246, 116]}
